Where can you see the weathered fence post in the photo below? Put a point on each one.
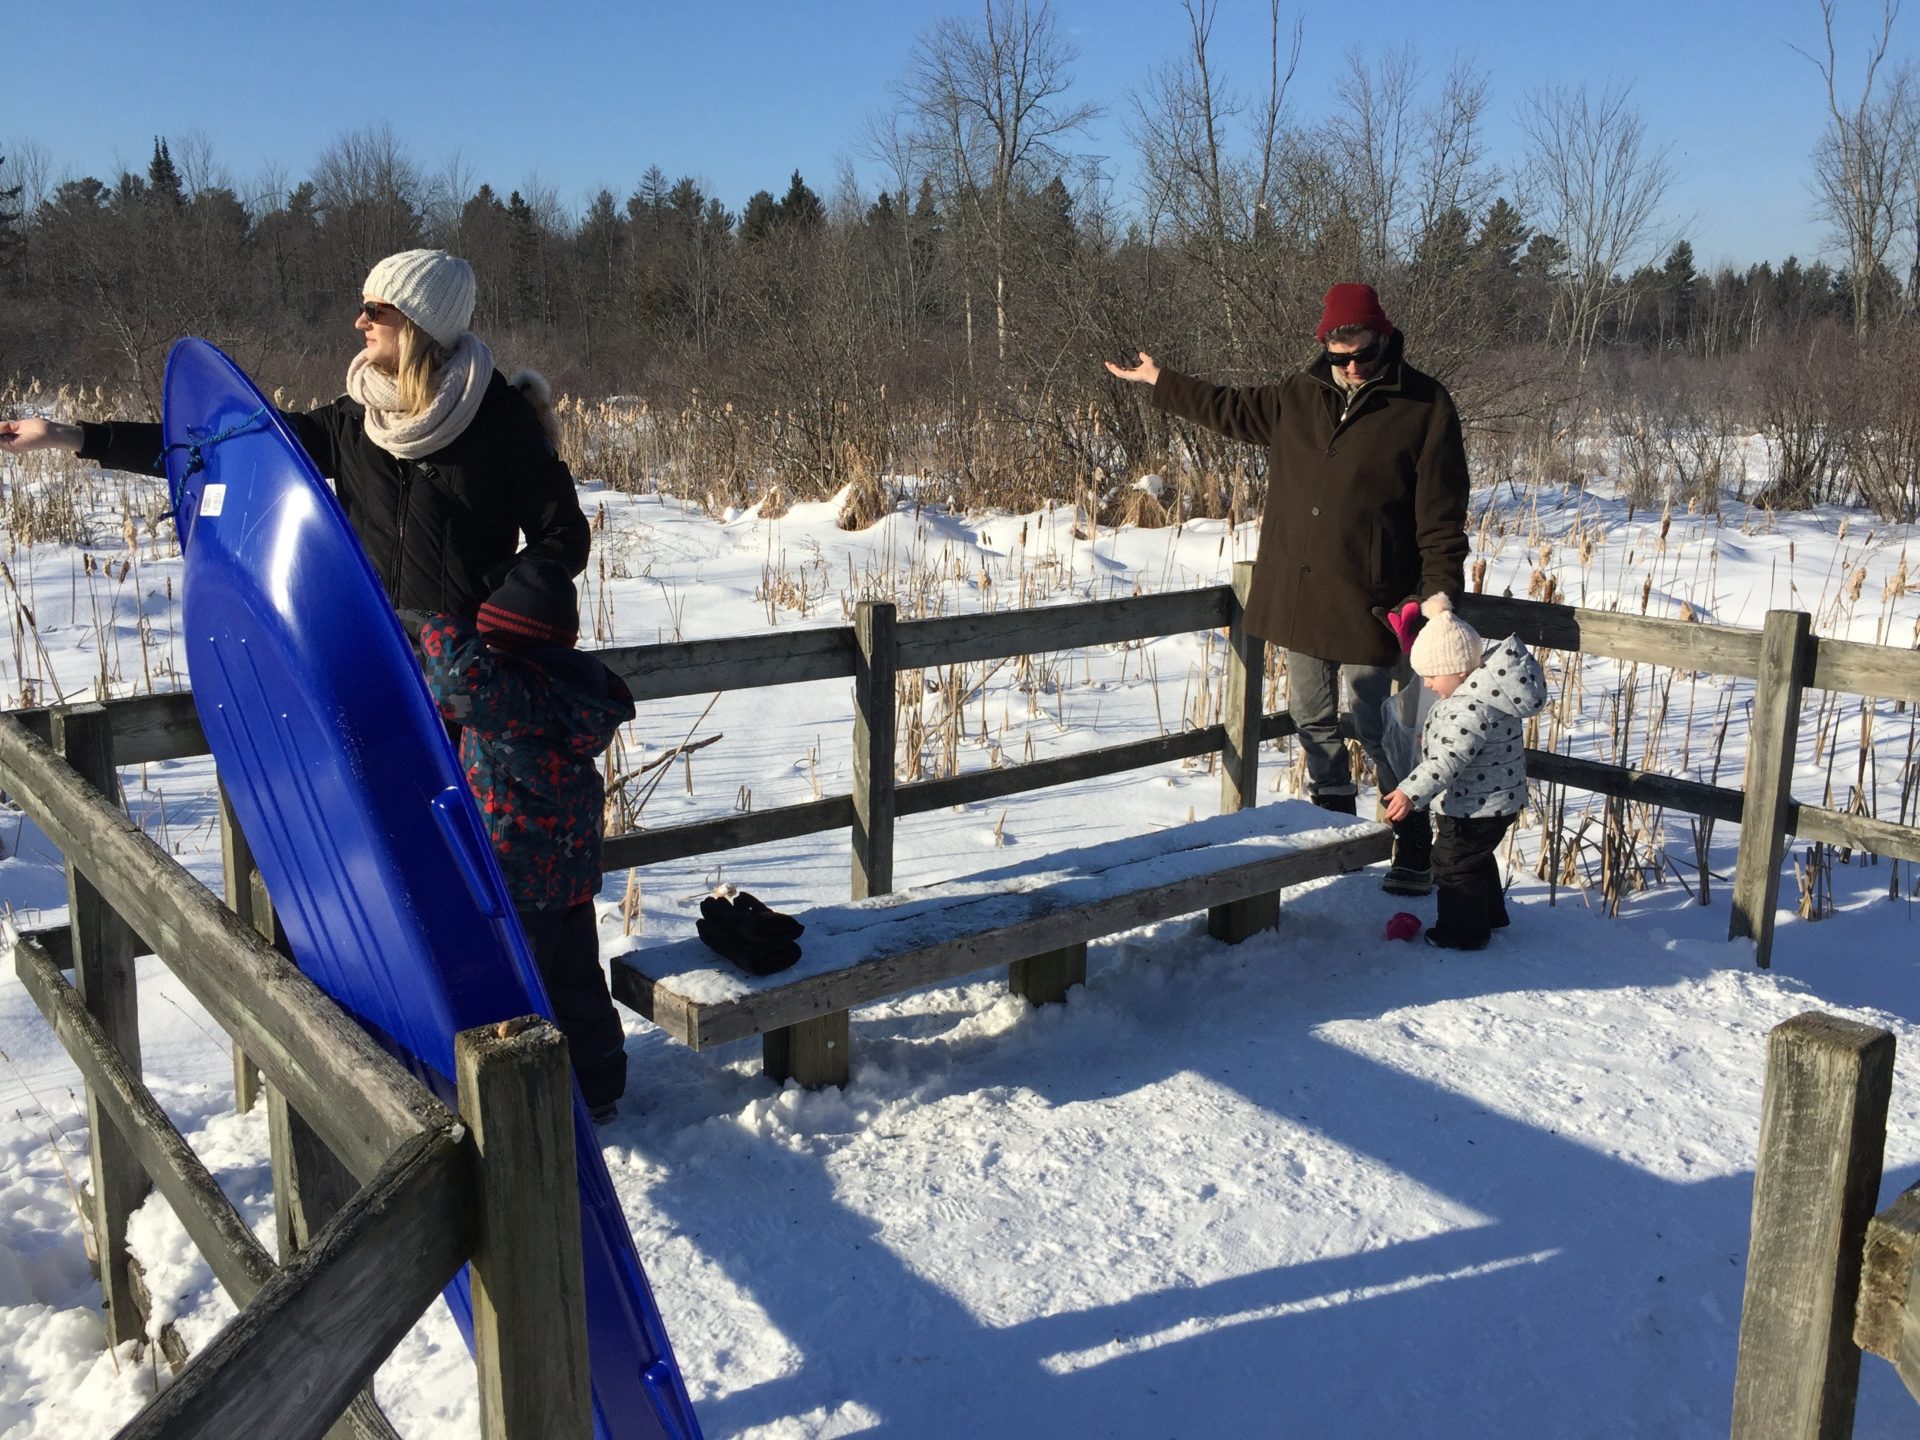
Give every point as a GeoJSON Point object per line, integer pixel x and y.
{"type": "Point", "coordinates": [874, 743]}
{"type": "Point", "coordinates": [1823, 1126]}
{"type": "Point", "coordinates": [529, 1278]}
{"type": "Point", "coordinates": [1786, 652]}
{"type": "Point", "coordinates": [1887, 1322]}
{"type": "Point", "coordinates": [103, 952]}
{"type": "Point", "coordinates": [236, 878]}
{"type": "Point", "coordinates": [816, 1052]}
{"type": "Point", "coordinates": [1240, 759]}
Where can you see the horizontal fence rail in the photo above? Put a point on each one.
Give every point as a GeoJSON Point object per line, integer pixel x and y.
{"type": "Point", "coordinates": [361, 1100]}
{"type": "Point", "coordinates": [165, 727]}
{"type": "Point", "coordinates": [238, 1260]}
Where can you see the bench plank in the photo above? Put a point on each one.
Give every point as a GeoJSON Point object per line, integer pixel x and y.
{"type": "Point", "coordinates": [867, 950]}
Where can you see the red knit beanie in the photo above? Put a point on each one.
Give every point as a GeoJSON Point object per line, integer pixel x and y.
{"type": "Point", "coordinates": [1352, 304]}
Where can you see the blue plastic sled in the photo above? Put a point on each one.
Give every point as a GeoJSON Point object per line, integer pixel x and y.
{"type": "Point", "coordinates": [343, 780]}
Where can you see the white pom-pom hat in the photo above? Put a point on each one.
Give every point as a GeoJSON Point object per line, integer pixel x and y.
{"type": "Point", "coordinates": [1446, 644]}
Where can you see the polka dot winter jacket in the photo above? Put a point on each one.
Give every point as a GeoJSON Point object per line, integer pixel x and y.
{"type": "Point", "coordinates": [533, 722]}
{"type": "Point", "coordinates": [1473, 750]}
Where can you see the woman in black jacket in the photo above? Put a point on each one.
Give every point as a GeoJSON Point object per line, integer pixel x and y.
{"type": "Point", "coordinates": [440, 463]}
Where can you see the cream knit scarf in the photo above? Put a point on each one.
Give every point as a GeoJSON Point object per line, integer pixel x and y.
{"type": "Point", "coordinates": [462, 382]}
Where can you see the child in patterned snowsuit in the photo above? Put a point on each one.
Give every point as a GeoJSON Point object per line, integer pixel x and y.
{"type": "Point", "coordinates": [534, 715]}
{"type": "Point", "coordinates": [1473, 767]}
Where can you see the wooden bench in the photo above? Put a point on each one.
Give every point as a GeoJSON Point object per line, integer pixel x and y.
{"type": "Point", "coordinates": [1036, 918]}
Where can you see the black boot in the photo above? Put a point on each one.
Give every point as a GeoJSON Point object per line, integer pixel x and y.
{"type": "Point", "coordinates": [1462, 921]}
{"type": "Point", "coordinates": [1411, 872]}
{"type": "Point", "coordinates": [1339, 804]}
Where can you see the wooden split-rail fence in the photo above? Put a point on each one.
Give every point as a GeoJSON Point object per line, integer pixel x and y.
{"type": "Point", "coordinates": [1828, 1280]}
{"type": "Point", "coordinates": [382, 1192]}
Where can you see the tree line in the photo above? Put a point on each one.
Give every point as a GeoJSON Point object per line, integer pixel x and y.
{"type": "Point", "coordinates": [981, 274]}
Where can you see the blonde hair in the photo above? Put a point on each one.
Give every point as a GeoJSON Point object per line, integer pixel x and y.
{"type": "Point", "coordinates": [421, 357]}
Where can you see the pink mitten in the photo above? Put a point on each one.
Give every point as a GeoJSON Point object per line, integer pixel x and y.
{"type": "Point", "coordinates": [1403, 926]}
{"type": "Point", "coordinates": [1405, 624]}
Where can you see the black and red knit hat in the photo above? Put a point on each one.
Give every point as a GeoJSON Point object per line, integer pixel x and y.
{"type": "Point", "coordinates": [535, 605]}
{"type": "Point", "coordinates": [1352, 304]}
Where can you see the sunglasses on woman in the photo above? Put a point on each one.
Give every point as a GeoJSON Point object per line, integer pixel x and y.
{"type": "Point", "coordinates": [1367, 356]}
{"type": "Point", "coordinates": [377, 310]}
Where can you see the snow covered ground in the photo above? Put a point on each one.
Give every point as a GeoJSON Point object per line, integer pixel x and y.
{"type": "Point", "coordinates": [1320, 1184]}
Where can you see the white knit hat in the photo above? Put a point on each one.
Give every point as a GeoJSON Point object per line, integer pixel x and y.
{"type": "Point", "coordinates": [430, 287]}
{"type": "Point", "coordinates": [1446, 644]}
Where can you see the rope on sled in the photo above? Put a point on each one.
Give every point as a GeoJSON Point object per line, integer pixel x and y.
{"type": "Point", "coordinates": [196, 460]}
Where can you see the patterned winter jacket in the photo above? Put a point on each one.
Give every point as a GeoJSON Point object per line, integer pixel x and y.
{"type": "Point", "coordinates": [1474, 752]}
{"type": "Point", "coordinates": [532, 721]}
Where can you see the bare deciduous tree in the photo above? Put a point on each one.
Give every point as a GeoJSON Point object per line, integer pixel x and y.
{"type": "Point", "coordinates": [370, 194]}
{"type": "Point", "coordinates": [1597, 183]}
{"type": "Point", "coordinates": [1864, 168]}
{"type": "Point", "coordinates": [1440, 298]}
{"type": "Point", "coordinates": [1213, 200]}
{"type": "Point", "coordinates": [1371, 134]}
{"type": "Point", "coordinates": [993, 99]}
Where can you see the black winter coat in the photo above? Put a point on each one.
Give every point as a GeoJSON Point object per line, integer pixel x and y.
{"type": "Point", "coordinates": [1363, 510]}
{"type": "Point", "coordinates": [441, 531]}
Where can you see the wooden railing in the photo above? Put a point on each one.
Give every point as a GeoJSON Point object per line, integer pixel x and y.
{"type": "Point", "coordinates": [382, 1192]}
{"type": "Point", "coordinates": [1783, 658]}
{"type": "Point", "coordinates": [1827, 1279]}
{"type": "Point", "coordinates": [412, 1156]}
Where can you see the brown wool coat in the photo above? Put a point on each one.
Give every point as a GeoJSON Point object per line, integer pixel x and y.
{"type": "Point", "coordinates": [1360, 513]}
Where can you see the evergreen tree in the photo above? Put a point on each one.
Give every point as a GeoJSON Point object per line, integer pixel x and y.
{"type": "Point", "coordinates": [601, 240]}
{"type": "Point", "coordinates": [523, 253]}
{"type": "Point", "coordinates": [652, 194]}
{"type": "Point", "coordinates": [926, 210]}
{"type": "Point", "coordinates": [129, 192]}
{"type": "Point", "coordinates": [800, 207]}
{"type": "Point", "coordinates": [482, 234]}
{"type": "Point", "coordinates": [163, 180]}
{"type": "Point", "coordinates": [79, 197]}
{"type": "Point", "coordinates": [1503, 234]}
{"type": "Point", "coordinates": [1493, 259]}
{"type": "Point", "coordinates": [1538, 273]}
{"type": "Point", "coordinates": [1443, 247]}
{"type": "Point", "coordinates": [11, 237]}
{"type": "Point", "coordinates": [1677, 281]}
{"type": "Point", "coordinates": [686, 200]}
{"type": "Point", "coordinates": [1055, 234]}
{"type": "Point", "coordinates": [283, 248]}
{"type": "Point", "coordinates": [758, 219]}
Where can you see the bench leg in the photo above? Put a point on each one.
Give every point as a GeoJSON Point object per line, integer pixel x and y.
{"type": "Point", "coordinates": [1043, 979]}
{"type": "Point", "coordinates": [813, 1053]}
{"type": "Point", "coordinates": [1237, 919]}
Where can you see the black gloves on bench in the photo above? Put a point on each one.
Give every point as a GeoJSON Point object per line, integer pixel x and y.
{"type": "Point", "coordinates": [760, 941]}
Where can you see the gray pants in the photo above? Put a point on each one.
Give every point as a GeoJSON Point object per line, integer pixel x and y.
{"type": "Point", "coordinates": [1313, 699]}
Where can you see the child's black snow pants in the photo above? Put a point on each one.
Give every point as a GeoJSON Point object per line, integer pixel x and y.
{"type": "Point", "coordinates": [566, 947]}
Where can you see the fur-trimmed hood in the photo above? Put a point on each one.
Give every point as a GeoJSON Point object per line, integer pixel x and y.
{"type": "Point", "coordinates": [538, 391]}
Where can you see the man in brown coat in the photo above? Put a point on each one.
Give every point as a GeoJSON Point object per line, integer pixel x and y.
{"type": "Point", "coordinates": [1366, 509]}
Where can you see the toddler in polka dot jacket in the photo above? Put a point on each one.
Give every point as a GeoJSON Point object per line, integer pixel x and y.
{"type": "Point", "coordinates": [1473, 767]}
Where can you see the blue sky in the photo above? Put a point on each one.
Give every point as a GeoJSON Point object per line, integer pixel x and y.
{"type": "Point", "coordinates": [585, 93]}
